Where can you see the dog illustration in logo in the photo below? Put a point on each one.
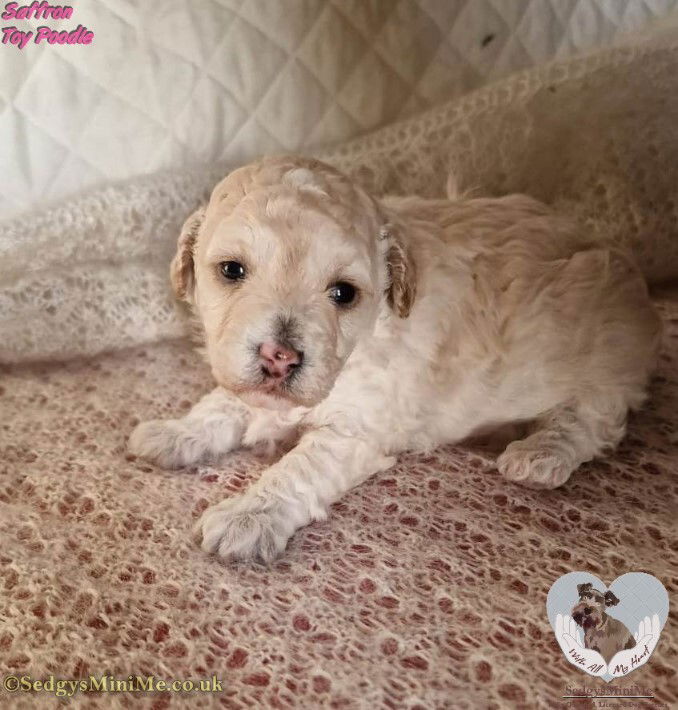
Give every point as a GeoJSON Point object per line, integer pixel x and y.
{"type": "Point", "coordinates": [602, 633]}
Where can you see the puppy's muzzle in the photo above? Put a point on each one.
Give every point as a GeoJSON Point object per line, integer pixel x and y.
{"type": "Point", "coordinates": [585, 616]}
{"type": "Point", "coordinates": [279, 361]}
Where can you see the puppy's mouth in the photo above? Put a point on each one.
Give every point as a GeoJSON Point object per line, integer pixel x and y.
{"type": "Point", "coordinates": [283, 387]}
{"type": "Point", "coordinates": [590, 622]}
{"type": "Point", "coordinates": [586, 621]}
{"type": "Point", "coordinates": [275, 384]}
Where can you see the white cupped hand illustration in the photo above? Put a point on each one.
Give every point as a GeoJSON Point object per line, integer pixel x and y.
{"type": "Point", "coordinates": [646, 639]}
{"type": "Point", "coordinates": [569, 638]}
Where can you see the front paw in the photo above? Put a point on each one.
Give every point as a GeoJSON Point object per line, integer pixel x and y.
{"type": "Point", "coordinates": [167, 443]}
{"type": "Point", "coordinates": [245, 528]}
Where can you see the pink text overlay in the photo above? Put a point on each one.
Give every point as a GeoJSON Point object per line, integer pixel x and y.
{"type": "Point", "coordinates": [20, 38]}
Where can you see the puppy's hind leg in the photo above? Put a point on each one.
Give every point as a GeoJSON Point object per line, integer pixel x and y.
{"type": "Point", "coordinates": [562, 439]}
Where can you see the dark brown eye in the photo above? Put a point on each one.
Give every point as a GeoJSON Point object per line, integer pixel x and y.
{"type": "Point", "coordinates": [343, 293]}
{"type": "Point", "coordinates": [232, 270]}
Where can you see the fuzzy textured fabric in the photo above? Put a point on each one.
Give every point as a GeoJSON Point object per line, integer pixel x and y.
{"type": "Point", "coordinates": [426, 587]}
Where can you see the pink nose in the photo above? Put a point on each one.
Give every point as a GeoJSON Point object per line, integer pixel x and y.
{"type": "Point", "coordinates": [278, 360]}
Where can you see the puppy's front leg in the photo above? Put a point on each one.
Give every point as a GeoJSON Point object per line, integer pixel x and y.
{"type": "Point", "coordinates": [214, 426]}
{"type": "Point", "coordinates": [290, 494]}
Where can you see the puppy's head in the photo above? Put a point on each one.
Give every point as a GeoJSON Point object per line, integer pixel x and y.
{"type": "Point", "coordinates": [287, 268]}
{"type": "Point", "coordinates": [589, 612]}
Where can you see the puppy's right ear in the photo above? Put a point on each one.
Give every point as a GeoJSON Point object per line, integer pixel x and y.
{"type": "Point", "coordinates": [581, 588]}
{"type": "Point", "coordinates": [181, 268]}
{"type": "Point", "coordinates": [402, 286]}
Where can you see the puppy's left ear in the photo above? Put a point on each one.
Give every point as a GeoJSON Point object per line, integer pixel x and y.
{"type": "Point", "coordinates": [610, 599]}
{"type": "Point", "coordinates": [181, 268]}
{"type": "Point", "coordinates": [401, 267]}
{"type": "Point", "coordinates": [585, 587]}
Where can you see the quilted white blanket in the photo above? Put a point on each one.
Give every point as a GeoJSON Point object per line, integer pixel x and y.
{"type": "Point", "coordinates": [167, 83]}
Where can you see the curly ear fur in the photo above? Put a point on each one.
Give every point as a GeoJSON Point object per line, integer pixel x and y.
{"type": "Point", "coordinates": [610, 599]}
{"type": "Point", "coordinates": [586, 587]}
{"type": "Point", "coordinates": [401, 272]}
{"type": "Point", "coordinates": [181, 268]}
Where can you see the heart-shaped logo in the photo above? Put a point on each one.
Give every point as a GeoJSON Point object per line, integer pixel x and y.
{"type": "Point", "coordinates": [607, 632]}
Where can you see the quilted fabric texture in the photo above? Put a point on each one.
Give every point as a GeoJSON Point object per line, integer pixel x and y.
{"type": "Point", "coordinates": [91, 274]}
{"type": "Point", "coordinates": [424, 590]}
{"type": "Point", "coordinates": [171, 82]}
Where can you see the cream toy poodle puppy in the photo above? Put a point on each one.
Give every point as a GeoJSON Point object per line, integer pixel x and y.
{"type": "Point", "coordinates": [349, 328]}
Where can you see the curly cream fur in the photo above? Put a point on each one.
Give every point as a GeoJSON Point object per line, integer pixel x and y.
{"type": "Point", "coordinates": [473, 314]}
